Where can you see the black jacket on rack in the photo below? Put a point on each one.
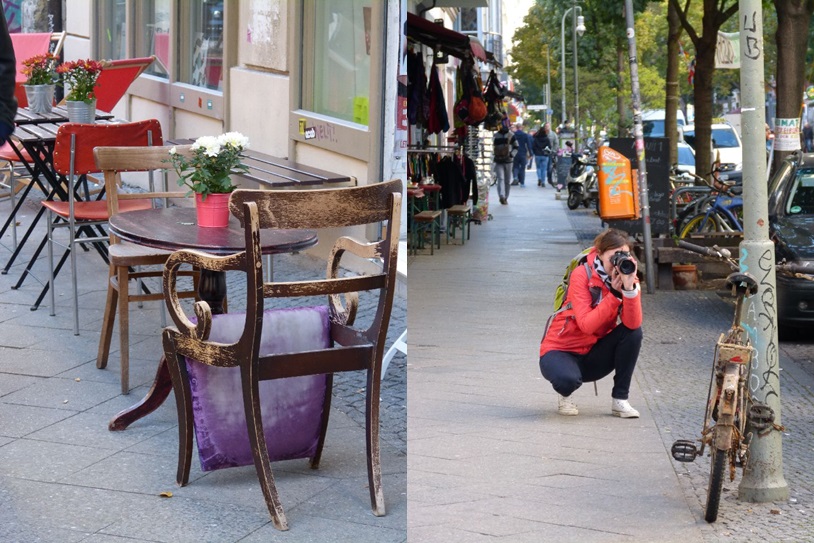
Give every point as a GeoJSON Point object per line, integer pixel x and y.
{"type": "Point", "coordinates": [467, 166]}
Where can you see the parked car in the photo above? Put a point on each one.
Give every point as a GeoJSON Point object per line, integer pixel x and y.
{"type": "Point", "coordinates": [686, 160]}
{"type": "Point", "coordinates": [791, 226]}
{"type": "Point", "coordinates": [726, 144]}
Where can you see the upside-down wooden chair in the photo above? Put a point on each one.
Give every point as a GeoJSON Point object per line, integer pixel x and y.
{"type": "Point", "coordinates": [273, 368]}
{"type": "Point", "coordinates": [73, 158]}
{"type": "Point", "coordinates": [123, 256]}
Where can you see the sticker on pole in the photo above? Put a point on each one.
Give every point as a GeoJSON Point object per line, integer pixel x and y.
{"type": "Point", "coordinates": [786, 134]}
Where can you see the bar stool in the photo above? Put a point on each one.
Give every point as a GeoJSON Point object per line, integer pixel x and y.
{"type": "Point", "coordinates": [459, 216]}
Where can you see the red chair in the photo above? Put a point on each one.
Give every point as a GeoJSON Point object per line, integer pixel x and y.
{"type": "Point", "coordinates": [73, 156]}
{"type": "Point", "coordinates": [27, 46]}
{"type": "Point", "coordinates": [115, 78]}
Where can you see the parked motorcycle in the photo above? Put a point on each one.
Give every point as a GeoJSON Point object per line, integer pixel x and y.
{"type": "Point", "coordinates": [582, 181]}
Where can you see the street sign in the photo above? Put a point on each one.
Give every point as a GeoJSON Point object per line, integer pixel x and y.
{"type": "Point", "coordinates": [537, 107]}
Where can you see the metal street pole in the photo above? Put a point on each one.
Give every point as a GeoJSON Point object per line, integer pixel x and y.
{"type": "Point", "coordinates": [577, 9]}
{"type": "Point", "coordinates": [548, 87]}
{"type": "Point", "coordinates": [644, 197]}
{"type": "Point", "coordinates": [763, 478]}
{"type": "Point", "coordinates": [562, 63]}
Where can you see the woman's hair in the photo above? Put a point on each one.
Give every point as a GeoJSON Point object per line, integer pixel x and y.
{"type": "Point", "coordinates": [610, 239]}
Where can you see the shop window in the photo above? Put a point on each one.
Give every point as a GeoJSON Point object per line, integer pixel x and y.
{"type": "Point", "coordinates": [153, 17]}
{"type": "Point", "coordinates": [113, 30]}
{"type": "Point", "coordinates": [200, 44]}
{"type": "Point", "coordinates": [336, 69]}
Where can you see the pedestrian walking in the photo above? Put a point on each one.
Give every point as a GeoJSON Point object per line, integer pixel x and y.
{"type": "Point", "coordinates": [808, 138]}
{"type": "Point", "coordinates": [552, 160]}
{"type": "Point", "coordinates": [505, 148]}
{"type": "Point", "coordinates": [541, 147]}
{"type": "Point", "coordinates": [8, 72]}
{"type": "Point", "coordinates": [584, 342]}
{"type": "Point", "coordinates": [522, 157]}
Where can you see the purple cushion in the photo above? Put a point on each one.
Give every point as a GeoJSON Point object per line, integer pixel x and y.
{"type": "Point", "coordinates": [291, 407]}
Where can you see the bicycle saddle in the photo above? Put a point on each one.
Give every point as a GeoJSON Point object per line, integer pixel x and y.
{"type": "Point", "coordinates": [736, 190]}
{"type": "Point", "coordinates": [743, 283]}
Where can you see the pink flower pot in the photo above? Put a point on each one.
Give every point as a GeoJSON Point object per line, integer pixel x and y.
{"type": "Point", "coordinates": [214, 211]}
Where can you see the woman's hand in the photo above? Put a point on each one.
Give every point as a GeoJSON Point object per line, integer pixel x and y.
{"type": "Point", "coordinates": [621, 281]}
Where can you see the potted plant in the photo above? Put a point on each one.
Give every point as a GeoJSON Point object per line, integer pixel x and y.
{"type": "Point", "coordinates": [41, 74]}
{"type": "Point", "coordinates": [80, 76]}
{"type": "Point", "coordinates": [206, 170]}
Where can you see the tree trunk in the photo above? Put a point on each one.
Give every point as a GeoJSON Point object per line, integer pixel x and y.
{"type": "Point", "coordinates": [671, 105]}
{"type": "Point", "coordinates": [793, 17]}
{"type": "Point", "coordinates": [621, 68]}
{"type": "Point", "coordinates": [704, 69]}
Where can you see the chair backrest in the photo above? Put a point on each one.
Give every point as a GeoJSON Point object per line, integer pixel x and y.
{"type": "Point", "coordinates": [112, 161]}
{"type": "Point", "coordinates": [115, 78]}
{"type": "Point", "coordinates": [27, 45]}
{"type": "Point", "coordinates": [76, 142]}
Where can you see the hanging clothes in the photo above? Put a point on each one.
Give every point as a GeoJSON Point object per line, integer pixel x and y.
{"type": "Point", "coordinates": [416, 89]}
{"type": "Point", "coordinates": [470, 188]}
{"type": "Point", "coordinates": [437, 119]}
{"type": "Point", "coordinates": [449, 175]}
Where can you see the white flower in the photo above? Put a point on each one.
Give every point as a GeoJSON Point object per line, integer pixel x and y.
{"type": "Point", "coordinates": [173, 150]}
{"type": "Point", "coordinates": [207, 142]}
{"type": "Point", "coordinates": [234, 139]}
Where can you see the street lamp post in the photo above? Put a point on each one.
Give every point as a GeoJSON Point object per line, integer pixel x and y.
{"type": "Point", "coordinates": [579, 28]}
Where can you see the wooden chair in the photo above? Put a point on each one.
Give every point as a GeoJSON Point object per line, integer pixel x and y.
{"type": "Point", "coordinates": [123, 256]}
{"type": "Point", "coordinates": [73, 158]}
{"type": "Point", "coordinates": [286, 379]}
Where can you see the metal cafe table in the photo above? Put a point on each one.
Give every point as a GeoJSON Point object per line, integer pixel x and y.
{"type": "Point", "coordinates": [176, 228]}
{"type": "Point", "coordinates": [36, 134]}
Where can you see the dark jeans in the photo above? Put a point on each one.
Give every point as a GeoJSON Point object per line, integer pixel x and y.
{"type": "Point", "coordinates": [519, 168]}
{"type": "Point", "coordinates": [617, 351]}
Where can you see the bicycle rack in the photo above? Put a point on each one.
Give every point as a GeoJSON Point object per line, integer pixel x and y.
{"type": "Point", "coordinates": [684, 450]}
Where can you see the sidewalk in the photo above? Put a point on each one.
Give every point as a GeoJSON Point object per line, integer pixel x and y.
{"type": "Point", "coordinates": [490, 459]}
{"type": "Point", "coordinates": [65, 478]}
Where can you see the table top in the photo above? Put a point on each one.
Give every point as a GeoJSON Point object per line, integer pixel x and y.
{"type": "Point", "coordinates": [276, 172]}
{"type": "Point", "coordinates": [36, 128]}
{"type": "Point", "coordinates": [176, 228]}
{"type": "Point", "coordinates": [58, 114]}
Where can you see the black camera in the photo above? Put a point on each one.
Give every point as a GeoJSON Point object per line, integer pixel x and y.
{"type": "Point", "coordinates": [622, 261]}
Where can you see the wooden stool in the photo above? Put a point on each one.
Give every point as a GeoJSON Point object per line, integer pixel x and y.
{"type": "Point", "coordinates": [459, 216]}
{"type": "Point", "coordinates": [422, 222]}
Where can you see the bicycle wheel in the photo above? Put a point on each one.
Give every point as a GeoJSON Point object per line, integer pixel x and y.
{"type": "Point", "coordinates": [699, 224]}
{"type": "Point", "coordinates": [716, 483]}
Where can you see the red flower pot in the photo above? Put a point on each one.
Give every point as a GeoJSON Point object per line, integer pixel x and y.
{"type": "Point", "coordinates": [214, 211]}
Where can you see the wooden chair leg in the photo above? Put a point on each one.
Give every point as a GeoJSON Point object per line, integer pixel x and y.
{"type": "Point", "coordinates": [257, 440]}
{"type": "Point", "coordinates": [124, 327]}
{"type": "Point", "coordinates": [108, 321]}
{"type": "Point", "coordinates": [183, 404]}
{"type": "Point", "coordinates": [326, 413]}
{"type": "Point", "coordinates": [374, 466]}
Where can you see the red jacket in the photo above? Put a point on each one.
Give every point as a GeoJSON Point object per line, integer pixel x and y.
{"type": "Point", "coordinates": [577, 329]}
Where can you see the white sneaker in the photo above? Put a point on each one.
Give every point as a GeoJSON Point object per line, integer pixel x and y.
{"type": "Point", "coordinates": [621, 408]}
{"type": "Point", "coordinates": [566, 406]}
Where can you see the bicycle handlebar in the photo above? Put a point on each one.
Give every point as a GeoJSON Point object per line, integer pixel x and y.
{"type": "Point", "coordinates": [722, 254]}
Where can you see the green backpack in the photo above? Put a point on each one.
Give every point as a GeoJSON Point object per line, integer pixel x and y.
{"type": "Point", "coordinates": [562, 289]}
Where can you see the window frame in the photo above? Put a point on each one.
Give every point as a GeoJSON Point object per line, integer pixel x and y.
{"type": "Point", "coordinates": [334, 134]}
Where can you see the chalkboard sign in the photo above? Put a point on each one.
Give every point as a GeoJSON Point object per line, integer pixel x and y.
{"type": "Point", "coordinates": [563, 165]}
{"type": "Point", "coordinates": [657, 154]}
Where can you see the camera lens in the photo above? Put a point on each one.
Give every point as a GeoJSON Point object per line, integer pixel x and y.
{"type": "Point", "coordinates": [626, 266]}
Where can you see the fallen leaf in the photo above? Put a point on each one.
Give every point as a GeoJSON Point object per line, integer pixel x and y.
{"type": "Point", "coordinates": [774, 511]}
{"type": "Point", "coordinates": [77, 379]}
{"type": "Point", "coordinates": [166, 494]}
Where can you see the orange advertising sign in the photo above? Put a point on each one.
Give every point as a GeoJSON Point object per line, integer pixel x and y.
{"type": "Point", "coordinates": [616, 189]}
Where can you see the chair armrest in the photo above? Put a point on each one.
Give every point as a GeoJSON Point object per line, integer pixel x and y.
{"type": "Point", "coordinates": [203, 312]}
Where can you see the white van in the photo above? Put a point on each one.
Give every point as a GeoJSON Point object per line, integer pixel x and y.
{"type": "Point", "coordinates": [653, 122]}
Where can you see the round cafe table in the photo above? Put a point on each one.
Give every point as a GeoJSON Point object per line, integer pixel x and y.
{"type": "Point", "coordinates": [176, 228]}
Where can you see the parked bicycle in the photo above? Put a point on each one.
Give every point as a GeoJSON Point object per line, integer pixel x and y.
{"type": "Point", "coordinates": [732, 416]}
{"type": "Point", "coordinates": [719, 211]}
{"type": "Point", "coordinates": [730, 409]}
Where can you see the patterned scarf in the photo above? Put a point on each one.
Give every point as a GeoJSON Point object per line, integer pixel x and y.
{"type": "Point", "coordinates": [600, 271]}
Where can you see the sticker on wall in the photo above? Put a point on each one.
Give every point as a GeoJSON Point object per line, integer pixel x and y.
{"type": "Point", "coordinates": [302, 127]}
{"type": "Point", "coordinates": [310, 133]}
{"type": "Point", "coordinates": [360, 109]}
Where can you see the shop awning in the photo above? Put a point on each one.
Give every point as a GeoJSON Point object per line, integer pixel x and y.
{"type": "Point", "coordinates": [436, 36]}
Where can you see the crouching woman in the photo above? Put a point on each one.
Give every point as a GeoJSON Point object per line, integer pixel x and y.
{"type": "Point", "coordinates": [599, 331]}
